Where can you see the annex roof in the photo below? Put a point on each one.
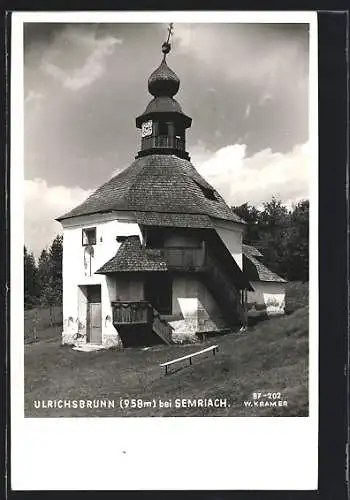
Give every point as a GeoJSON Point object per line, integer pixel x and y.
{"type": "Point", "coordinates": [250, 250]}
{"type": "Point", "coordinates": [256, 270]}
{"type": "Point", "coordinates": [132, 257]}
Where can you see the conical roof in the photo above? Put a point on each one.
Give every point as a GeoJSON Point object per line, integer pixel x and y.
{"type": "Point", "coordinates": [160, 190]}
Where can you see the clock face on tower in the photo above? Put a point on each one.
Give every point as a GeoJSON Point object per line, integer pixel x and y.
{"type": "Point", "coordinates": [146, 129]}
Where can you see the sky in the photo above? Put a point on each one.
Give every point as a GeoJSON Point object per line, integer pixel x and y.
{"type": "Point", "coordinates": [244, 85]}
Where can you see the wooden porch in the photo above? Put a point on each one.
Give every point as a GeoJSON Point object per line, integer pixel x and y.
{"type": "Point", "coordinates": [143, 315]}
{"type": "Point", "coordinates": [132, 312]}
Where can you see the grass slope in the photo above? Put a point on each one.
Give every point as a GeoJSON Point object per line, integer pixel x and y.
{"type": "Point", "coordinates": [271, 357]}
{"type": "Point", "coordinates": [38, 325]}
{"type": "Point", "coordinates": [297, 296]}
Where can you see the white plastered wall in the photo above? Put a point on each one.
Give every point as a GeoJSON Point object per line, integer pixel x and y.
{"type": "Point", "coordinates": [76, 273]}
{"type": "Point", "coordinates": [193, 309]}
{"type": "Point", "coordinates": [268, 297]}
{"type": "Point", "coordinates": [232, 236]}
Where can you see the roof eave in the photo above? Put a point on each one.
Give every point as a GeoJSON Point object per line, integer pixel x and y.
{"type": "Point", "coordinates": [141, 118]}
{"type": "Point", "coordinates": [281, 280]}
{"type": "Point", "coordinates": [95, 212]}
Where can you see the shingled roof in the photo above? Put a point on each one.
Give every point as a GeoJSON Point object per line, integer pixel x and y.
{"type": "Point", "coordinates": [158, 184]}
{"type": "Point", "coordinates": [131, 257]}
{"type": "Point", "coordinates": [174, 220]}
{"type": "Point", "coordinates": [252, 251]}
{"type": "Point", "coordinates": [255, 270]}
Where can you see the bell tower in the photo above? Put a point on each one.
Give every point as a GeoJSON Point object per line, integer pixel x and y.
{"type": "Point", "coordinates": [163, 124]}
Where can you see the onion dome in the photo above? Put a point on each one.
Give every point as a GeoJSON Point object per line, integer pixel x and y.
{"type": "Point", "coordinates": [163, 82]}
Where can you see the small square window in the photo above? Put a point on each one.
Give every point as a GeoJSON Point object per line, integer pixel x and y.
{"type": "Point", "coordinates": [89, 236]}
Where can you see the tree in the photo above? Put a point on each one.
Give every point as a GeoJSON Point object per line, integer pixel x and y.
{"type": "Point", "coordinates": [50, 275]}
{"type": "Point", "coordinates": [282, 235]}
{"type": "Point", "coordinates": [43, 269]}
{"type": "Point", "coordinates": [274, 226]}
{"type": "Point", "coordinates": [31, 285]}
{"type": "Point", "coordinates": [49, 298]}
{"type": "Point", "coordinates": [298, 243]}
{"type": "Point", "coordinates": [45, 282]}
{"type": "Point", "coordinates": [250, 215]}
{"type": "Point", "coordinates": [55, 253]}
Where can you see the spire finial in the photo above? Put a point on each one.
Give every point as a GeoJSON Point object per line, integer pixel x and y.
{"type": "Point", "coordinates": [166, 45]}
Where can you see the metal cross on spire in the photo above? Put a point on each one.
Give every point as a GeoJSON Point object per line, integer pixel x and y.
{"type": "Point", "coordinates": [166, 45]}
{"type": "Point", "coordinates": [170, 31]}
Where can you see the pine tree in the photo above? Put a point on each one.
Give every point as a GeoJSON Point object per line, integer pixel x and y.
{"type": "Point", "coordinates": [55, 254]}
{"type": "Point", "coordinates": [44, 279]}
{"type": "Point", "coordinates": [31, 285]}
{"type": "Point", "coordinates": [43, 269]}
{"type": "Point", "coordinates": [50, 275]}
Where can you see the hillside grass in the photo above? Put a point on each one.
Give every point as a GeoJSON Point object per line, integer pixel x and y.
{"type": "Point", "coordinates": [270, 357]}
{"type": "Point", "coordinates": [297, 296]}
{"type": "Point", "coordinates": [37, 324]}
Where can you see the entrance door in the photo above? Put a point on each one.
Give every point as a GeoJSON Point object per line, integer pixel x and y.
{"type": "Point", "coordinates": [94, 314]}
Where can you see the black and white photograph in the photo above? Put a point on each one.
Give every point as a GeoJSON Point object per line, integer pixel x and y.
{"type": "Point", "coordinates": [154, 239]}
{"type": "Point", "coordinates": [169, 174]}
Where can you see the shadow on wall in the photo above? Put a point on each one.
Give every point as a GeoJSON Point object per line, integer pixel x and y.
{"type": "Point", "coordinates": [205, 313]}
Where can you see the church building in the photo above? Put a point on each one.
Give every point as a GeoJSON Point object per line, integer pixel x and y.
{"type": "Point", "coordinates": [155, 254]}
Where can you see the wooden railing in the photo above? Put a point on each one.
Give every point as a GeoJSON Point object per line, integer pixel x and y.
{"type": "Point", "coordinates": [163, 141]}
{"type": "Point", "coordinates": [141, 313]}
{"type": "Point", "coordinates": [161, 327]}
{"type": "Point", "coordinates": [126, 313]}
{"type": "Point", "coordinates": [184, 258]}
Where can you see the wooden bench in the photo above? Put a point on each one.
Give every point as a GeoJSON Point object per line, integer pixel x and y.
{"type": "Point", "coordinates": [213, 348]}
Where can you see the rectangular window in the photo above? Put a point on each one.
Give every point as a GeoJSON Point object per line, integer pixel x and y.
{"type": "Point", "coordinates": [89, 236]}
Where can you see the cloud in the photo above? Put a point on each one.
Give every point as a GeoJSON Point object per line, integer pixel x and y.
{"type": "Point", "coordinates": [42, 204]}
{"type": "Point", "coordinates": [255, 179]}
{"type": "Point", "coordinates": [231, 54]}
{"type": "Point", "coordinates": [94, 63]}
{"type": "Point", "coordinates": [33, 95]}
